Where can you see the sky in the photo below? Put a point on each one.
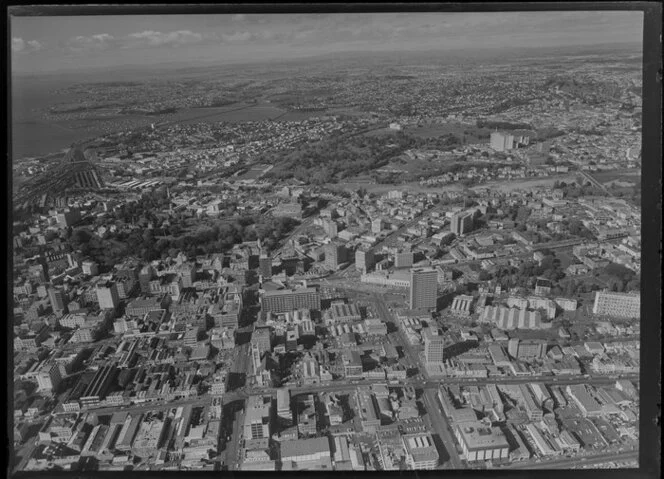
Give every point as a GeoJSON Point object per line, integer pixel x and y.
{"type": "Point", "coordinates": [47, 44]}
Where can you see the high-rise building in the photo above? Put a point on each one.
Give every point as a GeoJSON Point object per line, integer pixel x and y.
{"type": "Point", "coordinates": [433, 346]}
{"type": "Point", "coordinates": [331, 228]}
{"type": "Point", "coordinates": [49, 378]}
{"type": "Point", "coordinates": [335, 254]}
{"type": "Point", "coordinates": [617, 305]}
{"type": "Point", "coordinates": [364, 260]}
{"type": "Point", "coordinates": [58, 300]}
{"type": "Point", "coordinates": [501, 141]}
{"type": "Point", "coordinates": [423, 288]}
{"type": "Point", "coordinates": [377, 225]}
{"type": "Point", "coordinates": [107, 295]}
{"type": "Point", "coordinates": [461, 223]}
{"type": "Point", "coordinates": [290, 300]}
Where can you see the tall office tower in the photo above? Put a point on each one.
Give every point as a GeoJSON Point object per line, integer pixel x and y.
{"type": "Point", "coordinates": [58, 300]}
{"type": "Point", "coordinates": [461, 223]}
{"type": "Point", "coordinates": [107, 295]}
{"type": "Point", "coordinates": [403, 259]}
{"type": "Point", "coordinates": [364, 260]}
{"type": "Point", "coordinates": [433, 346]}
{"type": "Point", "coordinates": [335, 254]}
{"type": "Point", "coordinates": [423, 288]}
{"type": "Point", "coordinates": [146, 275]}
{"type": "Point", "coordinates": [265, 266]}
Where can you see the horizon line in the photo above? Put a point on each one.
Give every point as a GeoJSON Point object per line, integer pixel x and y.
{"type": "Point", "coordinates": [207, 63]}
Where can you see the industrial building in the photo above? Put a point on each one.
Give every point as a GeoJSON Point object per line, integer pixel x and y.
{"type": "Point", "coordinates": [420, 450]}
{"type": "Point", "coordinates": [617, 305]}
{"type": "Point", "coordinates": [480, 442]}
{"type": "Point", "coordinates": [306, 454]}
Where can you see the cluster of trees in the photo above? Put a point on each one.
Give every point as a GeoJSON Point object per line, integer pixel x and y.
{"type": "Point", "coordinates": [151, 244]}
{"type": "Point", "coordinates": [577, 228]}
{"type": "Point", "coordinates": [579, 188]}
{"type": "Point", "coordinates": [338, 158]}
{"type": "Point", "coordinates": [502, 125]}
{"type": "Point", "coordinates": [525, 275]}
{"type": "Point", "coordinates": [341, 157]}
{"type": "Point", "coordinates": [217, 239]}
{"type": "Point", "coordinates": [621, 279]}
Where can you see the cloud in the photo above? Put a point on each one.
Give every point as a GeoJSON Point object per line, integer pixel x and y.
{"type": "Point", "coordinates": [237, 37]}
{"type": "Point", "coordinates": [261, 36]}
{"type": "Point", "coordinates": [152, 38]}
{"type": "Point", "coordinates": [18, 45]}
{"type": "Point", "coordinates": [35, 45]}
{"type": "Point", "coordinates": [99, 41]}
{"type": "Point", "coordinates": [21, 46]}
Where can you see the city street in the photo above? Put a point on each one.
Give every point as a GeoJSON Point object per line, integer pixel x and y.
{"type": "Point", "coordinates": [570, 462]}
{"type": "Point", "coordinates": [441, 427]}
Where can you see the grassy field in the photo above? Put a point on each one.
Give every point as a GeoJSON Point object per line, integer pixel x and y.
{"type": "Point", "coordinates": [472, 133]}
{"type": "Point", "coordinates": [524, 183]}
{"type": "Point", "coordinates": [627, 175]}
{"type": "Point", "coordinates": [414, 166]}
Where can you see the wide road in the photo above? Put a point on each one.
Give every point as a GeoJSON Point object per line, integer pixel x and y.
{"type": "Point", "coordinates": [568, 463]}
{"type": "Point", "coordinates": [152, 406]}
{"type": "Point", "coordinates": [25, 452]}
{"type": "Point", "coordinates": [387, 316]}
{"type": "Point", "coordinates": [441, 427]}
{"type": "Point", "coordinates": [233, 449]}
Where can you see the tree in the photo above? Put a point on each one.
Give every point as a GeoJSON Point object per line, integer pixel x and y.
{"type": "Point", "coordinates": [484, 276]}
